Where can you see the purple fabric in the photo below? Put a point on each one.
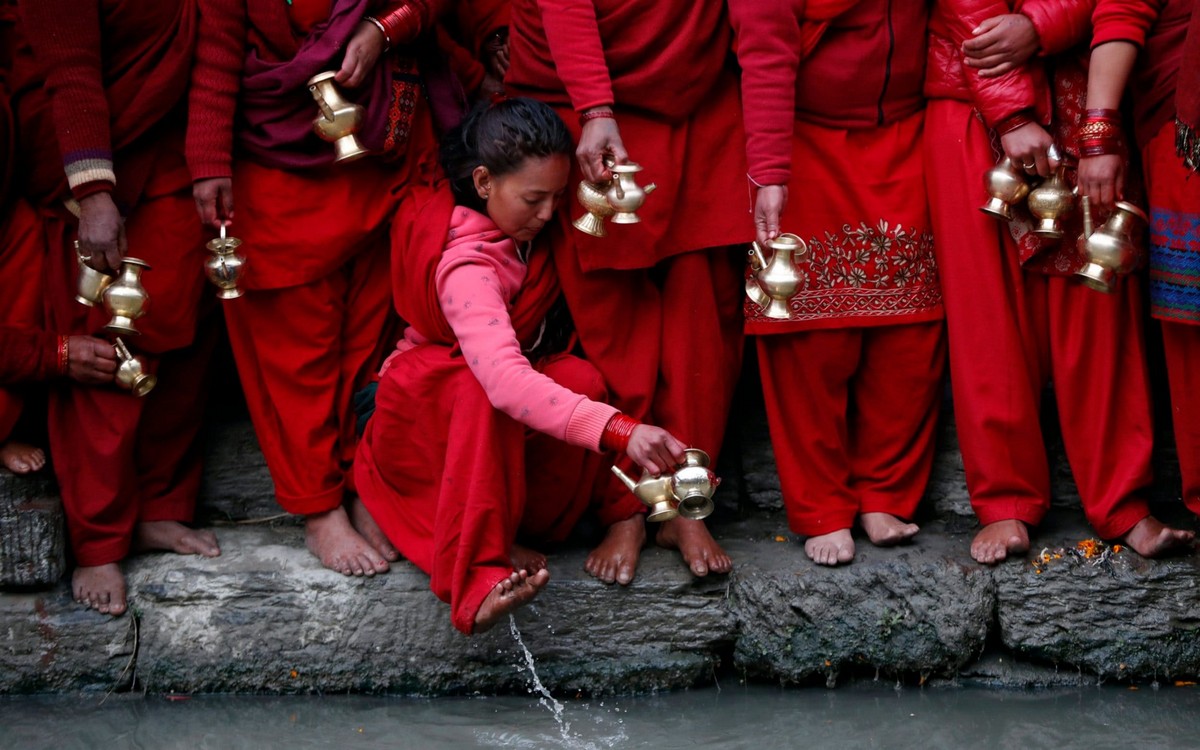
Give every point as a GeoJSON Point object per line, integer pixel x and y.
{"type": "Point", "coordinates": [277, 109]}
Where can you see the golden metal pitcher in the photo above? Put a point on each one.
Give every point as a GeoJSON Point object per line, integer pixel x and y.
{"type": "Point", "coordinates": [340, 119]}
{"type": "Point", "coordinates": [131, 373]}
{"type": "Point", "coordinates": [1110, 250]}
{"type": "Point", "coordinates": [694, 484]}
{"type": "Point", "coordinates": [773, 282]}
{"type": "Point", "coordinates": [1049, 203]}
{"type": "Point", "coordinates": [125, 298]}
{"type": "Point", "coordinates": [1006, 187]}
{"type": "Point", "coordinates": [595, 203]}
{"type": "Point", "coordinates": [227, 266]}
{"type": "Point", "coordinates": [625, 195]}
{"type": "Point", "coordinates": [654, 492]}
{"type": "Point", "coordinates": [92, 283]}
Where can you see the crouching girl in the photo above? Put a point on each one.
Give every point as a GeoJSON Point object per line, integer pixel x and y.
{"type": "Point", "coordinates": [486, 429]}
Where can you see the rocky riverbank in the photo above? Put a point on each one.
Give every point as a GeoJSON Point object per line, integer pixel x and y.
{"type": "Point", "coordinates": [265, 617]}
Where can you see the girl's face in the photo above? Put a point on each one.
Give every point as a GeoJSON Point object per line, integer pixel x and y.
{"type": "Point", "coordinates": [523, 201]}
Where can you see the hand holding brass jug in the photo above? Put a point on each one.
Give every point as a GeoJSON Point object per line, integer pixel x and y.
{"type": "Point", "coordinates": [1110, 250]}
{"type": "Point", "coordinates": [686, 492]}
{"type": "Point", "coordinates": [92, 283]}
{"type": "Point", "coordinates": [131, 373]}
{"type": "Point", "coordinates": [1006, 187]}
{"type": "Point", "coordinates": [773, 282]}
{"type": "Point", "coordinates": [227, 266]}
{"type": "Point", "coordinates": [339, 119]}
{"type": "Point", "coordinates": [125, 298]}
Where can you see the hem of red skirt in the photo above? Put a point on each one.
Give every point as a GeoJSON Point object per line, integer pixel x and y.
{"type": "Point", "coordinates": [95, 554]}
{"type": "Point", "coordinates": [1029, 512]}
{"type": "Point", "coordinates": [760, 327]}
{"type": "Point", "coordinates": [483, 580]}
{"type": "Point", "coordinates": [311, 505]}
{"type": "Point", "coordinates": [1128, 514]}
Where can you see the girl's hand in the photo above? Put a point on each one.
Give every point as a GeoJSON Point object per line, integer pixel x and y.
{"type": "Point", "coordinates": [362, 53]}
{"type": "Point", "coordinates": [214, 201]}
{"type": "Point", "coordinates": [655, 449]}
{"type": "Point", "coordinates": [1028, 146]}
{"type": "Point", "coordinates": [1000, 44]}
{"type": "Point", "coordinates": [91, 360]}
{"type": "Point", "coordinates": [600, 137]}
{"type": "Point", "coordinates": [1102, 180]}
{"type": "Point", "coordinates": [768, 205]}
{"type": "Point", "coordinates": [101, 233]}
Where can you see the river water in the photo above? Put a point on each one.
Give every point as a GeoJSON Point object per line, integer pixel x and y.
{"type": "Point", "coordinates": [755, 717]}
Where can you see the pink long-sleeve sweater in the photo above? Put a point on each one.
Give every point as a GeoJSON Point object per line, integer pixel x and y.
{"type": "Point", "coordinates": [479, 274]}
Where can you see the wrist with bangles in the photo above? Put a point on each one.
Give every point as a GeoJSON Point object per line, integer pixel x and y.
{"type": "Point", "coordinates": [617, 432]}
{"type": "Point", "coordinates": [1100, 133]}
{"type": "Point", "coordinates": [596, 113]}
{"type": "Point", "coordinates": [398, 26]}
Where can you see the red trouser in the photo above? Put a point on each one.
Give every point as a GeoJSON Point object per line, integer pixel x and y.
{"type": "Point", "coordinates": [310, 328]}
{"type": "Point", "coordinates": [452, 481]}
{"type": "Point", "coordinates": [852, 414]}
{"type": "Point", "coordinates": [668, 340]}
{"type": "Point", "coordinates": [1011, 332]}
{"type": "Point", "coordinates": [22, 250]}
{"type": "Point", "coordinates": [120, 459]}
{"type": "Point", "coordinates": [1182, 344]}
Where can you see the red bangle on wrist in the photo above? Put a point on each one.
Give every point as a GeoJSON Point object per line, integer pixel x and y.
{"type": "Point", "coordinates": [399, 26]}
{"type": "Point", "coordinates": [617, 432]}
{"type": "Point", "coordinates": [1100, 134]}
{"type": "Point", "coordinates": [1009, 124]}
{"type": "Point", "coordinates": [596, 114]}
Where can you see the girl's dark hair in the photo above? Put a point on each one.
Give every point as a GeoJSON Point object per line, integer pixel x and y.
{"type": "Point", "coordinates": [500, 136]}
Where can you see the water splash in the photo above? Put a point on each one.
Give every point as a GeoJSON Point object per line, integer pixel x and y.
{"type": "Point", "coordinates": [535, 682]}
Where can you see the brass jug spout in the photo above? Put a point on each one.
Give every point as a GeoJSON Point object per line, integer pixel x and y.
{"type": "Point", "coordinates": [654, 492]}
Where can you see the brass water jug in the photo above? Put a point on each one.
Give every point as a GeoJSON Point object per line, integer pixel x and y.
{"type": "Point", "coordinates": [1006, 187]}
{"type": "Point", "coordinates": [131, 373]}
{"type": "Point", "coordinates": [339, 120]}
{"type": "Point", "coordinates": [654, 492]}
{"type": "Point", "coordinates": [595, 203]}
{"type": "Point", "coordinates": [125, 298]}
{"type": "Point", "coordinates": [625, 195]}
{"type": "Point", "coordinates": [1049, 203]}
{"type": "Point", "coordinates": [227, 266]}
{"type": "Point", "coordinates": [693, 484]}
{"type": "Point", "coordinates": [92, 283]}
{"type": "Point", "coordinates": [773, 281]}
{"type": "Point", "coordinates": [1110, 250]}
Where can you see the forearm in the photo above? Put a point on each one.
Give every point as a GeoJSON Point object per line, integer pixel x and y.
{"type": "Point", "coordinates": [216, 79]}
{"type": "Point", "coordinates": [768, 50]}
{"type": "Point", "coordinates": [1108, 74]}
{"type": "Point", "coordinates": [573, 35]}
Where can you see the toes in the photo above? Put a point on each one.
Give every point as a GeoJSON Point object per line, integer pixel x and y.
{"type": "Point", "coordinates": [625, 574]}
{"type": "Point", "coordinates": [699, 566]}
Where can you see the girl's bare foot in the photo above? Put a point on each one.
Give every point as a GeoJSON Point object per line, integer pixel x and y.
{"type": "Point", "coordinates": [515, 591]}
{"type": "Point", "coordinates": [998, 540]}
{"type": "Point", "coordinates": [699, 550]}
{"type": "Point", "coordinates": [615, 559]}
{"type": "Point", "coordinates": [172, 536]}
{"type": "Point", "coordinates": [100, 587]}
{"type": "Point", "coordinates": [1153, 538]}
{"type": "Point", "coordinates": [526, 559]}
{"type": "Point", "coordinates": [885, 530]}
{"type": "Point", "coordinates": [364, 523]}
{"type": "Point", "coordinates": [332, 538]}
{"type": "Point", "coordinates": [834, 548]}
{"type": "Point", "coordinates": [21, 458]}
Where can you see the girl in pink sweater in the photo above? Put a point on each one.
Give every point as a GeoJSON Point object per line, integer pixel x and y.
{"type": "Point", "coordinates": [485, 427]}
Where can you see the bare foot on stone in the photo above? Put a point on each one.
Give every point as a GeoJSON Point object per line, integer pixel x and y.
{"type": "Point", "coordinates": [21, 458]}
{"type": "Point", "coordinates": [100, 587]}
{"type": "Point", "coordinates": [885, 530]}
{"type": "Point", "coordinates": [364, 523]}
{"type": "Point", "coordinates": [515, 591]}
{"type": "Point", "coordinates": [699, 550]}
{"type": "Point", "coordinates": [1153, 538]}
{"type": "Point", "coordinates": [332, 538]}
{"type": "Point", "coordinates": [615, 559]}
{"type": "Point", "coordinates": [996, 541]}
{"type": "Point", "coordinates": [172, 536]}
{"type": "Point", "coordinates": [526, 559]}
{"type": "Point", "coordinates": [834, 548]}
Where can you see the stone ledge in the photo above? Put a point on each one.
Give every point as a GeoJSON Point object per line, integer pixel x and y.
{"type": "Point", "coordinates": [265, 617]}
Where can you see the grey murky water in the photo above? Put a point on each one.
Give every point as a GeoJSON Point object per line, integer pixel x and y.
{"type": "Point", "coordinates": [740, 717]}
